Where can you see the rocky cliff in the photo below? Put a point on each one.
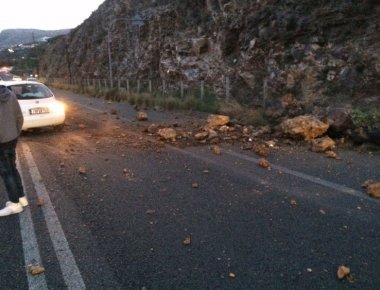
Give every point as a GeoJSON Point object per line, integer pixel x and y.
{"type": "Point", "coordinates": [285, 55]}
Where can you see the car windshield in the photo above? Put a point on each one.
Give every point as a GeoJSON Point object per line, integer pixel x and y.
{"type": "Point", "coordinates": [31, 91]}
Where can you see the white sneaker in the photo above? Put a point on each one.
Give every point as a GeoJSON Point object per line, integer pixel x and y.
{"type": "Point", "coordinates": [11, 208]}
{"type": "Point", "coordinates": [22, 200]}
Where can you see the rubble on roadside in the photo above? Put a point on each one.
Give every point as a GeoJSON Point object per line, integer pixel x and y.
{"type": "Point", "coordinates": [332, 154]}
{"type": "Point", "coordinates": [142, 116]}
{"type": "Point", "coordinates": [372, 187]}
{"type": "Point", "coordinates": [322, 144]}
{"type": "Point", "coordinates": [264, 163]}
{"type": "Point", "coordinates": [213, 129]}
{"type": "Point", "coordinates": [168, 134]}
{"type": "Point", "coordinates": [309, 127]}
{"type": "Point", "coordinates": [343, 272]}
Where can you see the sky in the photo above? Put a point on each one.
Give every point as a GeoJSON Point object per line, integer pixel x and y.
{"type": "Point", "coordinates": [46, 14]}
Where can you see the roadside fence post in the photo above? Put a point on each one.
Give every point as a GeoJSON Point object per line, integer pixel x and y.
{"type": "Point", "coordinates": [227, 88]}
{"type": "Point", "coordinates": [202, 90]}
{"type": "Point", "coordinates": [182, 89]}
{"type": "Point", "coordinates": [265, 93]}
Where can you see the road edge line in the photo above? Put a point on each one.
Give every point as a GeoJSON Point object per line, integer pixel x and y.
{"type": "Point", "coordinates": [304, 176]}
{"type": "Point", "coordinates": [69, 268]}
{"type": "Point", "coordinates": [29, 244]}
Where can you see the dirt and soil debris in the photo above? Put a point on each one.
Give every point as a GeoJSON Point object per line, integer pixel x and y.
{"type": "Point", "coordinates": [210, 129]}
{"type": "Point", "coordinates": [188, 129]}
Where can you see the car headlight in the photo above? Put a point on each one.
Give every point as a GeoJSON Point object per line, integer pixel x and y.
{"type": "Point", "coordinates": [58, 107]}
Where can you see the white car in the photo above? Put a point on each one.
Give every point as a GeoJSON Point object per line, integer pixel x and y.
{"type": "Point", "coordinates": [38, 104]}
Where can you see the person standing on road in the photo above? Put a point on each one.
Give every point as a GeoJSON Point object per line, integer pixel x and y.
{"type": "Point", "coordinates": [11, 121]}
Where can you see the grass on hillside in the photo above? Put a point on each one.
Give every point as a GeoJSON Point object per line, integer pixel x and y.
{"type": "Point", "coordinates": [192, 102]}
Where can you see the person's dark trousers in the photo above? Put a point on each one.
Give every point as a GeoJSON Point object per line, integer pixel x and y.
{"type": "Point", "coordinates": [9, 172]}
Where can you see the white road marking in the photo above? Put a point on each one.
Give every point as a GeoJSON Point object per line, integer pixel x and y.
{"type": "Point", "coordinates": [69, 268]}
{"type": "Point", "coordinates": [30, 246]}
{"type": "Point", "coordinates": [317, 180]}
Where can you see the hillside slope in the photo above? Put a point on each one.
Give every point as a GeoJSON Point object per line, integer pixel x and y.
{"type": "Point", "coordinates": [296, 55]}
{"type": "Point", "coordinates": [12, 37]}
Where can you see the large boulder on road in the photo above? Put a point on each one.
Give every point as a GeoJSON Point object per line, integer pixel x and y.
{"type": "Point", "coordinates": [215, 121]}
{"type": "Point", "coordinates": [339, 120]}
{"type": "Point", "coordinates": [307, 126]}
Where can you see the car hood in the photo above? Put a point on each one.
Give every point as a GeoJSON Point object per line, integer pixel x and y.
{"type": "Point", "coordinates": [4, 94]}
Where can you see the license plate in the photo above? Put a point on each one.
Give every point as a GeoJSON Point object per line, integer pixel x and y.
{"type": "Point", "coordinates": [42, 110]}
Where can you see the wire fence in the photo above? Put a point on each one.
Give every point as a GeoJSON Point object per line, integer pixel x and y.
{"type": "Point", "coordinates": [155, 87]}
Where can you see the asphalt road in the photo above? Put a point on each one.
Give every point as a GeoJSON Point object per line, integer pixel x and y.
{"type": "Point", "coordinates": [134, 218]}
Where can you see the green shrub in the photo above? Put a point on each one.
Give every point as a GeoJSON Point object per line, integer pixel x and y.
{"type": "Point", "coordinates": [172, 103]}
{"type": "Point", "coordinates": [132, 100]}
{"type": "Point", "coordinates": [148, 101]}
{"type": "Point", "coordinates": [111, 94]}
{"type": "Point", "coordinates": [254, 117]}
{"type": "Point", "coordinates": [367, 118]}
{"type": "Point", "coordinates": [139, 100]}
{"type": "Point", "coordinates": [189, 103]}
{"type": "Point", "coordinates": [249, 116]}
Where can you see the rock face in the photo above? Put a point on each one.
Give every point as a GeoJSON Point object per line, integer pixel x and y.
{"type": "Point", "coordinates": [287, 55]}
